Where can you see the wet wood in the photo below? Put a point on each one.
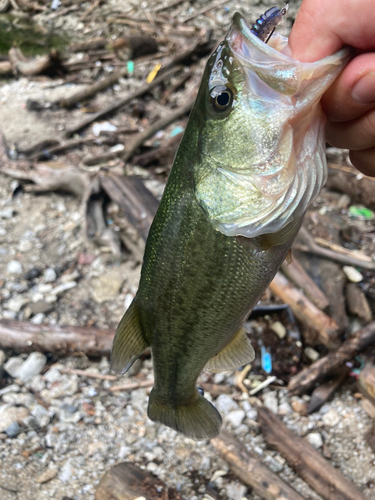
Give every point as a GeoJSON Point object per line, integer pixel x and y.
{"type": "Point", "coordinates": [26, 337]}
{"type": "Point", "coordinates": [357, 302]}
{"type": "Point", "coordinates": [348, 180]}
{"type": "Point", "coordinates": [295, 272]}
{"type": "Point", "coordinates": [310, 376]}
{"type": "Point", "coordinates": [323, 328]}
{"type": "Point", "coordinates": [251, 471]}
{"type": "Point", "coordinates": [325, 391]}
{"type": "Point", "coordinates": [126, 481]}
{"type": "Point", "coordinates": [307, 462]}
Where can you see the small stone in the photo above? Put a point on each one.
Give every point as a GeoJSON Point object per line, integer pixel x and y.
{"type": "Point", "coordinates": [352, 274]}
{"type": "Point", "coordinates": [275, 464]}
{"type": "Point", "coordinates": [279, 329]}
{"type": "Point", "coordinates": [13, 366]}
{"type": "Point", "coordinates": [107, 286]}
{"type": "Point", "coordinates": [6, 213]}
{"type": "Point", "coordinates": [41, 306]}
{"type": "Point", "coordinates": [14, 267]}
{"type": "Point", "coordinates": [299, 406]}
{"type": "Point", "coordinates": [52, 375]}
{"type": "Point", "coordinates": [226, 404]}
{"type": "Point", "coordinates": [235, 491]}
{"type": "Point", "coordinates": [13, 430]}
{"type": "Point", "coordinates": [25, 246]}
{"type": "Point", "coordinates": [63, 287]}
{"type": "Point", "coordinates": [49, 275]}
{"type": "Point", "coordinates": [66, 471]}
{"type": "Point", "coordinates": [236, 417]}
{"type": "Point", "coordinates": [41, 415]}
{"type": "Point", "coordinates": [9, 315]}
{"type": "Point", "coordinates": [124, 452]}
{"type": "Point", "coordinates": [2, 231]}
{"type": "Point", "coordinates": [270, 402]}
{"type": "Point", "coordinates": [96, 446]}
{"type": "Point", "coordinates": [10, 414]}
{"type": "Point", "coordinates": [47, 475]}
{"type": "Point", "coordinates": [311, 354]}
{"type": "Point", "coordinates": [33, 365]}
{"type": "Point", "coordinates": [17, 303]}
{"type": "Point", "coordinates": [315, 439]}
{"type": "Point", "coordinates": [30, 422]}
{"type": "Point", "coordinates": [285, 409]}
{"type": "Point", "coordinates": [331, 418]}
{"type": "Point", "coordinates": [38, 319]}
{"type": "Point", "coordinates": [64, 387]}
{"type": "Point", "coordinates": [33, 273]}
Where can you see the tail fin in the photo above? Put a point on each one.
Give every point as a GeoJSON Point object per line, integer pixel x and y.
{"type": "Point", "coordinates": [197, 420]}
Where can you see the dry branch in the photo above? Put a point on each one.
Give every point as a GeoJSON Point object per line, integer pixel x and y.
{"type": "Point", "coordinates": [251, 471]}
{"type": "Point", "coordinates": [306, 461]}
{"type": "Point", "coordinates": [310, 376]}
{"type": "Point", "coordinates": [132, 385]}
{"type": "Point", "coordinates": [26, 337]}
{"type": "Point", "coordinates": [324, 328]}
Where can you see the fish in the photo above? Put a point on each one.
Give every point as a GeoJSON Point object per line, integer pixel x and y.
{"type": "Point", "coordinates": [250, 162]}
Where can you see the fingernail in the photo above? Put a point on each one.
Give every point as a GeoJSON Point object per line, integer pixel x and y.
{"type": "Point", "coordinates": [364, 90]}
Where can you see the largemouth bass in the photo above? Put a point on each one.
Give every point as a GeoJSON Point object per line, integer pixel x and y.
{"type": "Point", "coordinates": [251, 160]}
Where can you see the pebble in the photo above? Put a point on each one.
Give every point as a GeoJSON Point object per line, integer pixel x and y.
{"type": "Point", "coordinates": [14, 267]}
{"type": "Point", "coordinates": [47, 475]}
{"type": "Point", "coordinates": [270, 401]}
{"type": "Point", "coordinates": [352, 274]}
{"type": "Point", "coordinates": [6, 213]}
{"type": "Point", "coordinates": [311, 354]}
{"type": "Point", "coordinates": [41, 415]}
{"type": "Point", "coordinates": [63, 287]}
{"type": "Point", "coordinates": [33, 365]}
{"type": "Point", "coordinates": [276, 464]}
{"type": "Point", "coordinates": [9, 315]}
{"type": "Point", "coordinates": [13, 430]}
{"type": "Point", "coordinates": [33, 273]}
{"type": "Point", "coordinates": [41, 307]}
{"type": "Point", "coordinates": [2, 231]}
{"type": "Point", "coordinates": [65, 387]}
{"type": "Point", "coordinates": [107, 286]}
{"type": "Point", "coordinates": [236, 417]}
{"type": "Point", "coordinates": [315, 439]}
{"type": "Point", "coordinates": [52, 375]}
{"type": "Point", "coordinates": [66, 471]}
{"type": "Point", "coordinates": [17, 303]}
{"type": "Point", "coordinates": [38, 319]}
{"type": "Point", "coordinates": [235, 491]}
{"type": "Point", "coordinates": [13, 366]}
{"type": "Point", "coordinates": [25, 246]}
{"type": "Point", "coordinates": [285, 409]}
{"type": "Point", "coordinates": [10, 414]}
{"type": "Point", "coordinates": [49, 275]}
{"type": "Point", "coordinates": [279, 329]}
{"type": "Point", "coordinates": [225, 404]}
{"type": "Point", "coordinates": [299, 406]}
{"type": "Point", "coordinates": [124, 452]}
{"type": "Point", "coordinates": [331, 418]}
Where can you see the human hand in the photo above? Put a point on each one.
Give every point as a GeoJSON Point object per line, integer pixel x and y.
{"type": "Point", "coordinates": [322, 27]}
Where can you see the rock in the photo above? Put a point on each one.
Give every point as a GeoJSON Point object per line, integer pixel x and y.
{"type": "Point", "coordinates": [16, 303]}
{"type": "Point", "coordinates": [299, 406]}
{"type": "Point", "coordinates": [47, 475]}
{"type": "Point", "coordinates": [311, 354]}
{"type": "Point", "coordinates": [49, 275]}
{"type": "Point", "coordinates": [41, 415]}
{"type": "Point", "coordinates": [10, 414]}
{"type": "Point", "coordinates": [19, 399]}
{"type": "Point", "coordinates": [270, 401]}
{"type": "Point", "coordinates": [276, 464]}
{"type": "Point", "coordinates": [33, 365]}
{"type": "Point", "coordinates": [33, 273]}
{"type": "Point", "coordinates": [14, 267]}
{"type": "Point", "coordinates": [235, 491]}
{"type": "Point", "coordinates": [124, 452]}
{"type": "Point", "coordinates": [63, 287]}
{"type": "Point", "coordinates": [52, 375]}
{"type": "Point", "coordinates": [13, 430]}
{"type": "Point", "coordinates": [2, 231]}
{"type": "Point", "coordinates": [30, 422]}
{"type": "Point", "coordinates": [352, 274]}
{"type": "Point", "coordinates": [236, 417]}
{"type": "Point", "coordinates": [285, 409]}
{"type": "Point", "coordinates": [315, 439]}
{"type": "Point", "coordinates": [331, 418]}
{"type": "Point", "coordinates": [279, 329]}
{"type": "Point", "coordinates": [38, 319]}
{"type": "Point", "coordinates": [25, 246]}
{"type": "Point", "coordinates": [107, 286]}
{"type": "Point", "coordinates": [41, 306]}
{"type": "Point", "coordinates": [9, 315]}
{"type": "Point", "coordinates": [13, 366]}
{"type": "Point", "coordinates": [6, 213]}
{"type": "Point", "coordinates": [66, 471]}
{"type": "Point", "coordinates": [225, 404]}
{"type": "Point", "coordinates": [64, 387]}
{"type": "Point", "coordinates": [10, 388]}
{"type": "Point", "coordinates": [96, 446]}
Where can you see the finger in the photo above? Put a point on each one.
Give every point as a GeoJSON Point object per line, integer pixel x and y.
{"type": "Point", "coordinates": [364, 161]}
{"type": "Point", "coordinates": [353, 93]}
{"type": "Point", "coordinates": [356, 135]}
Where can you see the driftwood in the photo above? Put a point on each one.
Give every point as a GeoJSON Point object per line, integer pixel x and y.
{"type": "Point", "coordinates": [306, 461]}
{"type": "Point", "coordinates": [296, 273]}
{"type": "Point", "coordinates": [126, 481]}
{"type": "Point", "coordinates": [25, 337]}
{"type": "Point", "coordinates": [130, 386]}
{"type": "Point", "coordinates": [247, 466]}
{"type": "Point", "coordinates": [359, 187]}
{"type": "Point", "coordinates": [325, 330]}
{"type": "Point", "coordinates": [121, 102]}
{"type": "Point", "coordinates": [325, 391]}
{"type": "Point", "coordinates": [357, 302]}
{"type": "Point", "coordinates": [310, 376]}
{"type": "Point", "coordinates": [33, 66]}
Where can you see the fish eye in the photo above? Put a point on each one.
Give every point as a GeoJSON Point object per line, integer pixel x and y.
{"type": "Point", "coordinates": [221, 98]}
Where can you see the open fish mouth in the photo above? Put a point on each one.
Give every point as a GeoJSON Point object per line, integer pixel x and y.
{"type": "Point", "coordinates": [280, 97]}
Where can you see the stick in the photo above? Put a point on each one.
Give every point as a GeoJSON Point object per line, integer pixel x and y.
{"type": "Point", "coordinates": [122, 102]}
{"type": "Point", "coordinates": [343, 256]}
{"type": "Point", "coordinates": [251, 471]}
{"type": "Point", "coordinates": [296, 273]}
{"type": "Point", "coordinates": [347, 180]}
{"type": "Point", "coordinates": [25, 337]}
{"type": "Point", "coordinates": [306, 461]}
{"type": "Point", "coordinates": [325, 329]}
{"type": "Point", "coordinates": [83, 373]}
{"type": "Point", "coordinates": [140, 138]}
{"type": "Point", "coordinates": [132, 386]}
{"type": "Point", "coordinates": [216, 389]}
{"type": "Point", "coordinates": [310, 376]}
{"type": "Point", "coordinates": [204, 10]}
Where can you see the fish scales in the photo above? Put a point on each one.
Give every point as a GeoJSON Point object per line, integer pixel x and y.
{"type": "Point", "coordinates": [250, 162]}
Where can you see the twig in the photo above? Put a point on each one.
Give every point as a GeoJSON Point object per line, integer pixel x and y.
{"type": "Point", "coordinates": [323, 327]}
{"type": "Point", "coordinates": [306, 461]}
{"type": "Point", "coordinates": [122, 102]}
{"type": "Point", "coordinates": [241, 377]}
{"type": "Point", "coordinates": [265, 383]}
{"type": "Point", "coordinates": [91, 9]}
{"type": "Point", "coordinates": [83, 373]}
{"type": "Point", "coordinates": [310, 376]}
{"type": "Point", "coordinates": [132, 386]}
{"type": "Point", "coordinates": [247, 466]}
{"type": "Point", "coordinates": [204, 10]}
{"type": "Point", "coordinates": [216, 389]}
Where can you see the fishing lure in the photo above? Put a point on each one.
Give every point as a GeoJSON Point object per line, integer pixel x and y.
{"type": "Point", "coordinates": [264, 27]}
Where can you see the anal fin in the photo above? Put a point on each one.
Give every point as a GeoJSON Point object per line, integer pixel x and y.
{"type": "Point", "coordinates": [237, 353]}
{"type": "Point", "coordinates": [129, 341]}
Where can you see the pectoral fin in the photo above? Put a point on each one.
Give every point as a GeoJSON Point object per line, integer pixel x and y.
{"type": "Point", "coordinates": [237, 353]}
{"type": "Point", "coordinates": [129, 341]}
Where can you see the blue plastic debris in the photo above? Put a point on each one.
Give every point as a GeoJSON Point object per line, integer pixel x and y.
{"type": "Point", "coordinates": [176, 131]}
{"type": "Point", "coordinates": [130, 67]}
{"type": "Point", "coordinates": [266, 360]}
